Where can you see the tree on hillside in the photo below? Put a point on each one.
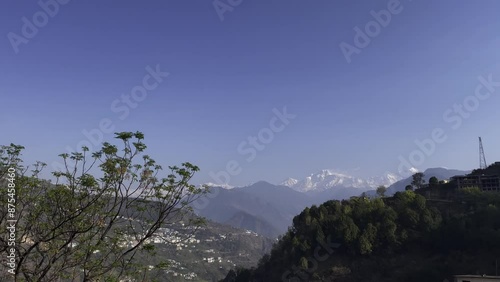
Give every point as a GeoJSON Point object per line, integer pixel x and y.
{"type": "Point", "coordinates": [409, 188]}
{"type": "Point", "coordinates": [381, 190]}
{"type": "Point", "coordinates": [433, 182]}
{"type": "Point", "coordinates": [418, 180]}
{"type": "Point", "coordinates": [87, 227]}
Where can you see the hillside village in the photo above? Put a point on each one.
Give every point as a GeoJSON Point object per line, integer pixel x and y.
{"type": "Point", "coordinates": [204, 254]}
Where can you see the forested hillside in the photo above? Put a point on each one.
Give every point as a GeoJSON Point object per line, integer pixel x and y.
{"type": "Point", "coordinates": [400, 238]}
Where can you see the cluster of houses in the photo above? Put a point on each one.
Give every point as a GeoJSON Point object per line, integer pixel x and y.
{"type": "Point", "coordinates": [180, 241]}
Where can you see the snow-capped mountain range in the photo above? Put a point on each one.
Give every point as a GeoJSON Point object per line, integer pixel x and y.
{"type": "Point", "coordinates": [329, 179]}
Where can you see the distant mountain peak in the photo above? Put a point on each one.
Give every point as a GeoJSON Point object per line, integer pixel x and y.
{"type": "Point", "coordinates": [289, 182]}
{"type": "Point", "coordinates": [327, 172]}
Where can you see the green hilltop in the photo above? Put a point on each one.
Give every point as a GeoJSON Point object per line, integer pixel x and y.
{"type": "Point", "coordinates": [429, 234]}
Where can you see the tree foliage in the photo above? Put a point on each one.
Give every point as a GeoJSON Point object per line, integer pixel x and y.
{"type": "Point", "coordinates": [100, 213]}
{"type": "Point", "coordinates": [381, 190]}
{"type": "Point", "coordinates": [418, 180]}
{"type": "Point", "coordinates": [433, 182]}
{"type": "Point", "coordinates": [358, 227]}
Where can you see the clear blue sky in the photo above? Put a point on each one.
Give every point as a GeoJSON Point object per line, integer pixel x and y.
{"type": "Point", "coordinates": [227, 76]}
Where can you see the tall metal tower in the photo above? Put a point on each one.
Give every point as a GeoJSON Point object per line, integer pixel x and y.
{"type": "Point", "coordinates": [482, 158]}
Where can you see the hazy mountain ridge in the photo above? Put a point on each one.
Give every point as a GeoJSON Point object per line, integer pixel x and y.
{"type": "Point", "coordinates": [261, 207]}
